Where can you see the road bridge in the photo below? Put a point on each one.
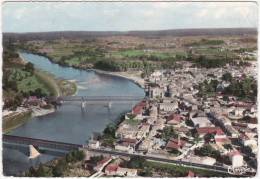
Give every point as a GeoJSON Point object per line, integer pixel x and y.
{"type": "Point", "coordinates": [40, 143]}
{"type": "Point", "coordinates": [68, 147]}
{"type": "Point", "coordinates": [101, 98]}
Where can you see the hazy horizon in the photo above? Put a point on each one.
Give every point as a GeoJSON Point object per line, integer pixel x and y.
{"type": "Point", "coordinates": [27, 17]}
{"type": "Point", "coordinates": [136, 30]}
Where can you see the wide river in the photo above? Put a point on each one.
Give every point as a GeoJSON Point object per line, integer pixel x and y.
{"type": "Point", "coordinates": [69, 123]}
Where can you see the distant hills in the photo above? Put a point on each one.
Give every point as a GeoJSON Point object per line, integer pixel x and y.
{"type": "Point", "coordinates": [147, 34]}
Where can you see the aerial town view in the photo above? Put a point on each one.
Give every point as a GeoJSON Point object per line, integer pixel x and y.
{"type": "Point", "coordinates": [123, 89]}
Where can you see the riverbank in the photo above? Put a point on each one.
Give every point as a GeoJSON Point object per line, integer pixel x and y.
{"type": "Point", "coordinates": [56, 87]}
{"type": "Point", "coordinates": [134, 76]}
{"type": "Point", "coordinates": [15, 119]}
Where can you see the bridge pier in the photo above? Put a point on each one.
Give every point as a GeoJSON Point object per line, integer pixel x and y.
{"type": "Point", "coordinates": [83, 104]}
{"type": "Point", "coordinates": [33, 152]}
{"type": "Point", "coordinates": [109, 105]}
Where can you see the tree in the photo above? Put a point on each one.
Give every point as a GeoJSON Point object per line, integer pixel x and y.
{"type": "Point", "coordinates": [136, 162]}
{"type": "Point", "coordinates": [31, 172]}
{"type": "Point", "coordinates": [197, 139]}
{"type": "Point", "coordinates": [29, 67]}
{"type": "Point", "coordinates": [189, 122]}
{"type": "Point", "coordinates": [43, 171]}
{"type": "Point", "coordinates": [96, 159]}
{"type": "Point", "coordinates": [207, 150]}
{"type": "Point", "coordinates": [228, 146]}
{"type": "Point", "coordinates": [168, 132]}
{"type": "Point", "coordinates": [209, 137]}
{"type": "Point", "coordinates": [147, 172]}
{"type": "Point", "coordinates": [110, 130]}
{"type": "Point", "coordinates": [227, 77]}
{"type": "Point", "coordinates": [59, 168]}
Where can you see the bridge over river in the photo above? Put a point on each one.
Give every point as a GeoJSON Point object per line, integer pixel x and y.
{"type": "Point", "coordinates": [107, 100]}
{"type": "Point", "coordinates": [40, 143]}
{"type": "Point", "coordinates": [117, 99]}
{"type": "Point", "coordinates": [69, 147]}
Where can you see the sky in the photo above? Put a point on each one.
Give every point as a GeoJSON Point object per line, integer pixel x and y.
{"type": "Point", "coordinates": [123, 16]}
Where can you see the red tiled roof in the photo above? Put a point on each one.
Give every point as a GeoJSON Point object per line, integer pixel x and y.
{"type": "Point", "coordinates": [103, 161]}
{"type": "Point", "coordinates": [138, 109]}
{"type": "Point", "coordinates": [111, 168]}
{"type": "Point", "coordinates": [174, 118]}
{"type": "Point", "coordinates": [209, 130]}
{"type": "Point", "coordinates": [182, 129]}
{"type": "Point", "coordinates": [173, 122]}
{"type": "Point", "coordinates": [128, 140]}
{"type": "Point", "coordinates": [222, 140]}
{"type": "Point", "coordinates": [174, 144]}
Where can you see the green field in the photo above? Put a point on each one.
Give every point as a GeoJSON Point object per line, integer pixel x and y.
{"type": "Point", "coordinates": [142, 53]}
{"type": "Point", "coordinates": [27, 82]}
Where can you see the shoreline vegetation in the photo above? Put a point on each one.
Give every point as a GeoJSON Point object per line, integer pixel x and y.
{"type": "Point", "coordinates": [134, 77]}
{"type": "Point", "coordinates": [55, 87]}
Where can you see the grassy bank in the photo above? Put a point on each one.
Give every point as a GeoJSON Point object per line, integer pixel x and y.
{"type": "Point", "coordinates": [15, 121]}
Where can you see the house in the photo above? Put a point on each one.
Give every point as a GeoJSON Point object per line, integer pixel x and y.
{"type": "Point", "coordinates": [236, 158]}
{"type": "Point", "coordinates": [145, 145]}
{"type": "Point", "coordinates": [168, 106]}
{"type": "Point", "coordinates": [116, 170]}
{"type": "Point", "coordinates": [174, 119]}
{"type": "Point", "coordinates": [94, 144]}
{"type": "Point", "coordinates": [111, 169]}
{"type": "Point", "coordinates": [155, 92]}
{"type": "Point", "coordinates": [182, 129]}
{"type": "Point", "coordinates": [209, 130]}
{"type": "Point", "coordinates": [126, 145]}
{"type": "Point", "coordinates": [143, 131]}
{"type": "Point", "coordinates": [201, 122]}
{"type": "Point", "coordinates": [236, 113]}
{"type": "Point", "coordinates": [222, 140]}
{"type": "Point", "coordinates": [156, 76]}
{"type": "Point", "coordinates": [175, 144]}
{"type": "Point", "coordinates": [138, 110]}
{"type": "Point", "coordinates": [33, 100]}
{"type": "Point", "coordinates": [126, 131]}
{"type": "Point", "coordinates": [101, 164]}
{"type": "Point", "coordinates": [246, 141]}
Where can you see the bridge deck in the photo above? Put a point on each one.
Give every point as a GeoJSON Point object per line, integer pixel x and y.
{"type": "Point", "coordinates": [101, 98]}
{"type": "Point", "coordinates": [40, 142]}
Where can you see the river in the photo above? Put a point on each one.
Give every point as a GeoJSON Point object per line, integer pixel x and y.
{"type": "Point", "coordinates": [69, 123]}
